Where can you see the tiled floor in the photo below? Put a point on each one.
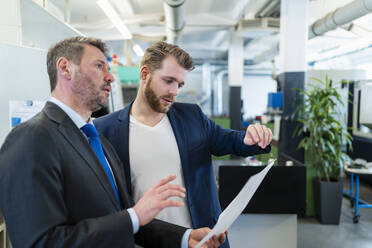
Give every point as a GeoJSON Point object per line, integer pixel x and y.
{"type": "Point", "coordinates": [347, 234]}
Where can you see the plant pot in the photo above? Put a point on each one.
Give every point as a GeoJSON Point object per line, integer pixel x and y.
{"type": "Point", "coordinates": [328, 201]}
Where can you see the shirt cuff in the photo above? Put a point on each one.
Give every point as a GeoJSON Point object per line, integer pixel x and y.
{"type": "Point", "coordinates": [134, 219]}
{"type": "Point", "coordinates": [185, 238]}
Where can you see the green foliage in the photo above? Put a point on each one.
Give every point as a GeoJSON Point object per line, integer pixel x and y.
{"type": "Point", "coordinates": [324, 134]}
{"type": "Point", "coordinates": [224, 122]}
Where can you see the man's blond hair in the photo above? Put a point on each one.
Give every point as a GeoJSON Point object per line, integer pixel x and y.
{"type": "Point", "coordinates": [156, 53]}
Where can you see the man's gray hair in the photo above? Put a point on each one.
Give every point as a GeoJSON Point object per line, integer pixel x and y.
{"type": "Point", "coordinates": [72, 49]}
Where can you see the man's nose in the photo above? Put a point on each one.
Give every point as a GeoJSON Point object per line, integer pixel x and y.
{"type": "Point", "coordinates": [174, 89]}
{"type": "Point", "coordinates": [109, 78]}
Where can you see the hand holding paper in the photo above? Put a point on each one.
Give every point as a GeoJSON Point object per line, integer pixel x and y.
{"type": "Point", "coordinates": [236, 207]}
{"type": "Point", "coordinates": [198, 234]}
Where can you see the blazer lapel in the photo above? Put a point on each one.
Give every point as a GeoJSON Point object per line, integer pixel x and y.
{"type": "Point", "coordinates": [179, 133]}
{"type": "Point", "coordinates": [122, 134]}
{"type": "Point", "coordinates": [77, 140]}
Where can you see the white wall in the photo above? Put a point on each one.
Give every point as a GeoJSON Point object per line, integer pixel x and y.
{"type": "Point", "coordinates": [23, 77]}
{"type": "Point", "coordinates": [254, 92]}
{"type": "Point", "coordinates": [10, 22]}
{"type": "Point", "coordinates": [255, 89]}
{"type": "Point", "coordinates": [23, 73]}
{"type": "Point", "coordinates": [194, 81]}
{"type": "Point", "coordinates": [194, 90]}
{"type": "Point", "coordinates": [40, 28]}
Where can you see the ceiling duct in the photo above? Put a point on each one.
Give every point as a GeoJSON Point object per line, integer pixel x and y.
{"type": "Point", "coordinates": [257, 27]}
{"type": "Point", "coordinates": [269, 9]}
{"type": "Point", "coordinates": [174, 19]}
{"type": "Point", "coordinates": [340, 16]}
{"type": "Point", "coordinates": [332, 20]}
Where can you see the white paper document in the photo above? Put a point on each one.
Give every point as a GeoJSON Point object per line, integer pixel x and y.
{"type": "Point", "coordinates": [21, 111]}
{"type": "Point", "coordinates": [236, 207]}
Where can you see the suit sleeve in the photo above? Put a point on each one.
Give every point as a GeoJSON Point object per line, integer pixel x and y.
{"type": "Point", "coordinates": [159, 233]}
{"type": "Point", "coordinates": [224, 141]}
{"type": "Point", "coordinates": [32, 198]}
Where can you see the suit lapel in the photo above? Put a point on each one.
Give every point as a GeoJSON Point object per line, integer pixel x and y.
{"type": "Point", "coordinates": [120, 182]}
{"type": "Point", "coordinates": [77, 140]}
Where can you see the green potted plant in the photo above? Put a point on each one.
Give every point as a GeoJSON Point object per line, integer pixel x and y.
{"type": "Point", "coordinates": [324, 139]}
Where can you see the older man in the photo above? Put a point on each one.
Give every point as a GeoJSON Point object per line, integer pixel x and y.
{"type": "Point", "coordinates": [62, 184]}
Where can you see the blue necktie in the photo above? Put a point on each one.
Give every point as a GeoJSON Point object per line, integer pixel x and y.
{"type": "Point", "coordinates": [95, 143]}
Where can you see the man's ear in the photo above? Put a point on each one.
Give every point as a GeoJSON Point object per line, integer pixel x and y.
{"type": "Point", "coordinates": [64, 67]}
{"type": "Point", "coordinates": [144, 72]}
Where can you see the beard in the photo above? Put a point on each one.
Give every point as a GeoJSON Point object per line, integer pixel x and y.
{"type": "Point", "coordinates": [154, 100]}
{"type": "Point", "coordinates": [88, 93]}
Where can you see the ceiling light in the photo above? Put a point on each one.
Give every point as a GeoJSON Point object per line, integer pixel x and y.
{"type": "Point", "coordinates": [138, 50]}
{"type": "Point", "coordinates": [115, 18]}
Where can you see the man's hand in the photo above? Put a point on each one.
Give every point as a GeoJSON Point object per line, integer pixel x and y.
{"type": "Point", "coordinates": [258, 134]}
{"type": "Point", "coordinates": [156, 198]}
{"type": "Point", "coordinates": [198, 234]}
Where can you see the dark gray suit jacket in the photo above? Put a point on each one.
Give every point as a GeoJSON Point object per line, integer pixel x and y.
{"type": "Point", "coordinates": [54, 192]}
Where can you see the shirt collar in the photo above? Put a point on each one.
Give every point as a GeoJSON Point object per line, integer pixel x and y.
{"type": "Point", "coordinates": [75, 117]}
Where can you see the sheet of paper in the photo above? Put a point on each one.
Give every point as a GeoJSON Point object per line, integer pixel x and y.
{"type": "Point", "coordinates": [21, 111]}
{"type": "Point", "coordinates": [236, 207]}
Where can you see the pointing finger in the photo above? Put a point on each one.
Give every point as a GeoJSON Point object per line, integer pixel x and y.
{"type": "Point", "coordinates": [165, 181]}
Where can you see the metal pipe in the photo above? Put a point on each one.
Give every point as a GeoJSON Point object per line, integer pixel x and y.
{"type": "Point", "coordinates": [45, 4]}
{"type": "Point", "coordinates": [218, 96]}
{"type": "Point", "coordinates": [68, 12]}
{"type": "Point", "coordinates": [207, 80]}
{"type": "Point", "coordinates": [340, 16]}
{"type": "Point", "coordinates": [262, 9]}
{"type": "Point", "coordinates": [268, 8]}
{"type": "Point", "coordinates": [173, 10]}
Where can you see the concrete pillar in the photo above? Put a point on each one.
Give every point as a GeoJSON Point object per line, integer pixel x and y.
{"type": "Point", "coordinates": [218, 99]}
{"type": "Point", "coordinates": [206, 99]}
{"type": "Point", "coordinates": [10, 22]}
{"type": "Point", "coordinates": [293, 37]}
{"type": "Point", "coordinates": [236, 73]}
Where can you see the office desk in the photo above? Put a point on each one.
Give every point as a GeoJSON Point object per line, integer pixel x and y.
{"type": "Point", "coordinates": [270, 218]}
{"type": "Point", "coordinates": [283, 191]}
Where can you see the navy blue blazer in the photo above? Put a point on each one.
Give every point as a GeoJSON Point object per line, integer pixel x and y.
{"type": "Point", "coordinates": [197, 138]}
